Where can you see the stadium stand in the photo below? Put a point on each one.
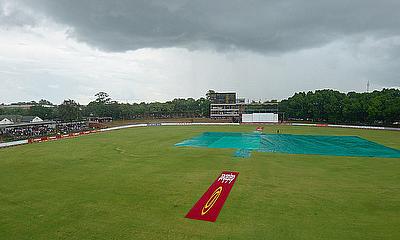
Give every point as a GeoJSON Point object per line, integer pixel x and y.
{"type": "Point", "coordinates": [29, 130]}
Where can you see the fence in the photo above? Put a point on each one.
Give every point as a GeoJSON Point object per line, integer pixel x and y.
{"type": "Point", "coordinates": [45, 139]}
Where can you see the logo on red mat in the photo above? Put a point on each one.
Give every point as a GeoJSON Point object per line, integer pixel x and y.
{"type": "Point", "coordinates": [208, 207]}
{"type": "Point", "coordinates": [210, 203]}
{"type": "Point", "coordinates": [227, 178]}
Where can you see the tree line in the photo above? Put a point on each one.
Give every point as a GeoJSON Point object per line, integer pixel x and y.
{"type": "Point", "coordinates": [377, 107]}
{"type": "Point", "coordinates": [104, 106]}
{"type": "Point", "coordinates": [330, 106]}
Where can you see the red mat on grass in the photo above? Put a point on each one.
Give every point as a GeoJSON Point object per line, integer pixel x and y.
{"type": "Point", "coordinates": [212, 201]}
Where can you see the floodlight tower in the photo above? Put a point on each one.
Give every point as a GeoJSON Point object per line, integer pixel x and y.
{"type": "Point", "coordinates": [368, 86]}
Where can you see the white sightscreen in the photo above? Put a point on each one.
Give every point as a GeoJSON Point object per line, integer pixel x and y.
{"type": "Point", "coordinates": [260, 117]}
{"type": "Point", "coordinates": [247, 118]}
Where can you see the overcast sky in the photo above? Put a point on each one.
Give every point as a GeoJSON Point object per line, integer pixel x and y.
{"type": "Point", "coordinates": [157, 50]}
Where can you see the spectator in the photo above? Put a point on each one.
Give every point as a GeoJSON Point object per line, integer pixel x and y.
{"type": "Point", "coordinates": [33, 131]}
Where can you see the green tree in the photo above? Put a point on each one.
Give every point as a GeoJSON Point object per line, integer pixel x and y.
{"type": "Point", "coordinates": [45, 102]}
{"type": "Point", "coordinates": [204, 107]}
{"type": "Point", "coordinates": [102, 97]}
{"type": "Point", "coordinates": [99, 108]}
{"type": "Point", "coordinates": [42, 112]}
{"type": "Point", "coordinates": [209, 93]}
{"type": "Point", "coordinates": [69, 110]}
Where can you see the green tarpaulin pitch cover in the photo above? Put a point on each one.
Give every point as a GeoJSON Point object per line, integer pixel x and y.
{"type": "Point", "coordinates": [292, 144]}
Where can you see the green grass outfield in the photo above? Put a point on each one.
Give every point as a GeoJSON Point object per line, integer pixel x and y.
{"type": "Point", "coordinates": [135, 184]}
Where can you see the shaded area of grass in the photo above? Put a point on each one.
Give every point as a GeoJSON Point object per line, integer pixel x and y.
{"type": "Point", "coordinates": [135, 184]}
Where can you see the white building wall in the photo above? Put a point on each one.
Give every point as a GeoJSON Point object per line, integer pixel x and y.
{"type": "Point", "coordinates": [260, 118]}
{"type": "Point", "coordinates": [247, 118]}
{"type": "Point", "coordinates": [37, 119]}
{"type": "Point", "coordinates": [6, 121]}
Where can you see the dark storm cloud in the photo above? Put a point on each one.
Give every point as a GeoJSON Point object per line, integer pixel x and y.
{"type": "Point", "coordinates": [257, 25]}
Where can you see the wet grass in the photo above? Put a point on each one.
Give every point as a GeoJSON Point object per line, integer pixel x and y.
{"type": "Point", "coordinates": [135, 184]}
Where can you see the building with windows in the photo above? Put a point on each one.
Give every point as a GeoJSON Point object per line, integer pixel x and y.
{"type": "Point", "coordinates": [224, 106]}
{"type": "Point", "coordinates": [229, 110]}
{"type": "Point", "coordinates": [228, 106]}
{"type": "Point", "coordinates": [222, 98]}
